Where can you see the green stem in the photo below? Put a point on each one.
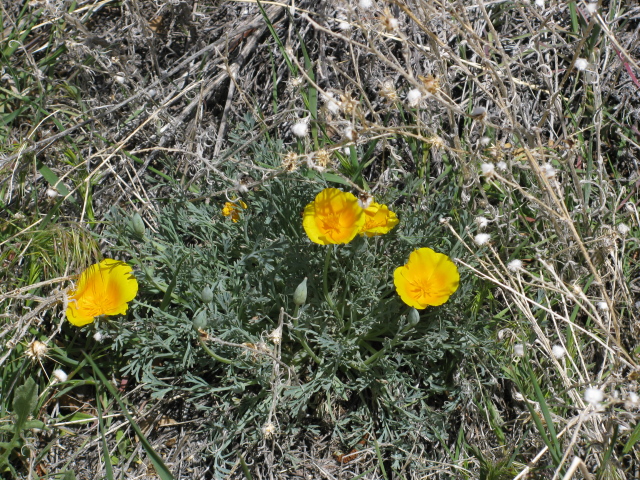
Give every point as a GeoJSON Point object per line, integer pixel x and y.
{"type": "Point", "coordinates": [301, 338]}
{"type": "Point", "coordinates": [212, 354]}
{"type": "Point", "coordinates": [325, 283]}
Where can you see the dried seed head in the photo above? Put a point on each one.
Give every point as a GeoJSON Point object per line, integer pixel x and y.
{"type": "Point", "coordinates": [388, 91]}
{"type": "Point", "coordinates": [290, 162]}
{"type": "Point", "coordinates": [502, 166]}
{"type": "Point", "coordinates": [603, 307]}
{"type": "Point", "coordinates": [268, 430]}
{"type": "Point", "coordinates": [36, 350]}
{"type": "Point", "coordinates": [431, 83]}
{"type": "Point", "coordinates": [592, 7]}
{"type": "Point", "coordinates": [348, 104]}
{"type": "Point", "coordinates": [484, 141]}
{"type": "Point", "coordinates": [322, 158]}
{"type": "Point", "coordinates": [276, 336]}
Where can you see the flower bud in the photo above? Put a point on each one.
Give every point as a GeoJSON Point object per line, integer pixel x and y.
{"type": "Point", "coordinates": [137, 224]}
{"type": "Point", "coordinates": [207, 294]}
{"type": "Point", "coordinates": [413, 317]}
{"type": "Point", "coordinates": [200, 320]}
{"type": "Point", "coordinates": [300, 295]}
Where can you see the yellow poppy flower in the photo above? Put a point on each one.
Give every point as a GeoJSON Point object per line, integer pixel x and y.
{"type": "Point", "coordinates": [103, 289]}
{"type": "Point", "coordinates": [232, 209]}
{"type": "Point", "coordinates": [428, 279]}
{"type": "Point", "coordinates": [378, 220]}
{"type": "Point", "coordinates": [333, 217]}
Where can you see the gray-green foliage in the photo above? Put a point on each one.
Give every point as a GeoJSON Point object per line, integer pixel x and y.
{"type": "Point", "coordinates": [253, 268]}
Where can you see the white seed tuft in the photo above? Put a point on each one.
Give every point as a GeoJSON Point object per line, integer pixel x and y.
{"type": "Point", "coordinates": [98, 336]}
{"type": "Point", "coordinates": [482, 238]}
{"type": "Point", "coordinates": [602, 306]}
{"type": "Point", "coordinates": [539, 3]}
{"type": "Point", "coordinates": [413, 97]}
{"type": "Point", "coordinates": [623, 229]}
{"type": "Point", "coordinates": [518, 350]}
{"type": "Point", "coordinates": [366, 4]}
{"type": "Point", "coordinates": [502, 166]}
{"type": "Point", "coordinates": [593, 396]}
{"type": "Point", "coordinates": [482, 222]}
{"type": "Point", "coordinates": [344, 26]}
{"type": "Point", "coordinates": [548, 170]}
{"type": "Point", "coordinates": [558, 351]}
{"type": "Point", "coordinates": [515, 265]}
{"type": "Point", "coordinates": [52, 193]}
{"type": "Point", "coordinates": [488, 169]}
{"type": "Point", "coordinates": [581, 64]}
{"type": "Point", "coordinates": [60, 375]}
{"type": "Point", "coordinates": [592, 7]}
{"type": "Point", "coordinates": [300, 129]}
{"type": "Point", "coordinates": [484, 141]}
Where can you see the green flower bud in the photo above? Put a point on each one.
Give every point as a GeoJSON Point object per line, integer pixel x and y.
{"type": "Point", "coordinates": [413, 317]}
{"type": "Point", "coordinates": [207, 294]}
{"type": "Point", "coordinates": [300, 295]}
{"type": "Point", "coordinates": [200, 320]}
{"type": "Point", "coordinates": [137, 224]}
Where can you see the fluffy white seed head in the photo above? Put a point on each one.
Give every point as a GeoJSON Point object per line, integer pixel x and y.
{"type": "Point", "coordinates": [593, 396]}
{"type": "Point", "coordinates": [539, 3]}
{"type": "Point", "coordinates": [332, 105]}
{"type": "Point", "coordinates": [344, 26]}
{"type": "Point", "coordinates": [502, 166]}
{"type": "Point", "coordinates": [350, 134]}
{"type": "Point", "coordinates": [633, 398]}
{"type": "Point", "coordinates": [98, 336]}
{"type": "Point", "coordinates": [59, 375]}
{"type": "Point", "coordinates": [366, 4]}
{"type": "Point", "coordinates": [602, 306]}
{"type": "Point", "coordinates": [484, 141]}
{"type": "Point", "coordinates": [558, 351]}
{"type": "Point", "coordinates": [581, 64]}
{"type": "Point", "coordinates": [623, 229]}
{"type": "Point", "coordinates": [413, 97]}
{"type": "Point", "coordinates": [52, 193]}
{"type": "Point", "coordinates": [300, 129]}
{"type": "Point", "coordinates": [482, 238]}
{"type": "Point", "coordinates": [548, 170]}
{"type": "Point", "coordinates": [592, 7]}
{"type": "Point", "coordinates": [482, 222]}
{"type": "Point", "coordinates": [488, 169]}
{"type": "Point", "coordinates": [518, 350]}
{"type": "Point", "coordinates": [392, 24]}
{"type": "Point", "coordinates": [515, 265]}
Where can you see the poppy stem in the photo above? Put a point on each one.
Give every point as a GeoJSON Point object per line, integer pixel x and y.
{"type": "Point", "coordinates": [301, 338]}
{"type": "Point", "coordinates": [212, 354]}
{"type": "Point", "coordinates": [325, 283]}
